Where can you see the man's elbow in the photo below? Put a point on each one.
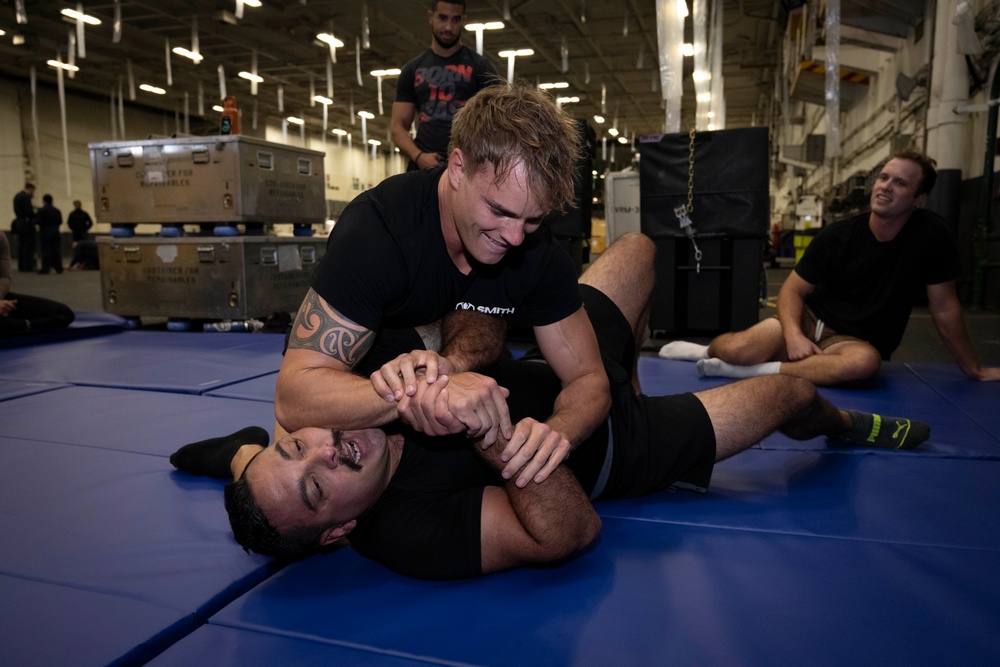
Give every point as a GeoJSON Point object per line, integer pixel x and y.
{"type": "Point", "coordinates": [284, 404]}
{"type": "Point", "coordinates": [572, 540]}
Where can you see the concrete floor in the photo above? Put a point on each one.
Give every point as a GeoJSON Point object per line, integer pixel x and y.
{"type": "Point", "coordinates": [81, 290]}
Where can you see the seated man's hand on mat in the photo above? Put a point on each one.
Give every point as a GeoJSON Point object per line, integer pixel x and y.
{"type": "Point", "coordinates": [398, 377]}
{"type": "Point", "coordinates": [467, 403]}
{"type": "Point", "coordinates": [534, 451]}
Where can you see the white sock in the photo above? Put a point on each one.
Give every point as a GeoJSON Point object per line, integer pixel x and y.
{"type": "Point", "coordinates": [684, 351]}
{"type": "Point", "coordinates": [719, 368]}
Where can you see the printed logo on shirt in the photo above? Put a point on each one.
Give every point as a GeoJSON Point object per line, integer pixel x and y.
{"type": "Point", "coordinates": [499, 311]}
{"type": "Point", "coordinates": [440, 83]}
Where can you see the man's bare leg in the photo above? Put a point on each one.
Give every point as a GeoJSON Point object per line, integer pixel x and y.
{"type": "Point", "coordinates": [742, 355]}
{"type": "Point", "coordinates": [743, 413]}
{"type": "Point", "coordinates": [624, 272]}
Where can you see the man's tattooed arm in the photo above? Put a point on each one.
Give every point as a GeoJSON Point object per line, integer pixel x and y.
{"type": "Point", "coordinates": [320, 389]}
{"type": "Point", "coordinates": [320, 328]}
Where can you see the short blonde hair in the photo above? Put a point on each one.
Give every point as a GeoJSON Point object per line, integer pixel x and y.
{"type": "Point", "coordinates": [507, 124]}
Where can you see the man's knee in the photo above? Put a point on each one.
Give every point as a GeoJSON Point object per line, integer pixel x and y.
{"type": "Point", "coordinates": [755, 345]}
{"type": "Point", "coordinates": [860, 363]}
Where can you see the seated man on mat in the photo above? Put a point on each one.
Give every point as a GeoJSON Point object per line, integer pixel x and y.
{"type": "Point", "coordinates": [20, 313]}
{"type": "Point", "coordinates": [449, 507]}
{"type": "Point", "coordinates": [845, 306]}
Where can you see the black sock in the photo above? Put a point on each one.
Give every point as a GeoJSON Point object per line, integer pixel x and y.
{"type": "Point", "coordinates": [211, 458]}
{"type": "Point", "coordinates": [871, 430]}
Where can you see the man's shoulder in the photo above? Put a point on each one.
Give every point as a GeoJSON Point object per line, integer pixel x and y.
{"type": "Point", "coordinates": [399, 202]}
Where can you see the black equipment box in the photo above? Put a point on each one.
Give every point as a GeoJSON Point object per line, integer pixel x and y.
{"type": "Point", "coordinates": [731, 199]}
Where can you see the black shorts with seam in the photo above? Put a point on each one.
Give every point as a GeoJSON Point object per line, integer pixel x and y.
{"type": "Point", "coordinates": [656, 441]}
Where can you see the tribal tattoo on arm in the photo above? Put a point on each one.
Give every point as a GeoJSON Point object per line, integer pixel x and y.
{"type": "Point", "coordinates": [320, 328]}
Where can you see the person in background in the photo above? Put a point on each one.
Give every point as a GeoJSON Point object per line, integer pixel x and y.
{"type": "Point", "coordinates": [79, 222]}
{"type": "Point", "coordinates": [844, 307]}
{"type": "Point", "coordinates": [24, 227]}
{"type": "Point", "coordinates": [436, 84]}
{"type": "Point", "coordinates": [49, 219]}
{"type": "Point", "coordinates": [84, 248]}
{"type": "Point", "coordinates": [20, 313]}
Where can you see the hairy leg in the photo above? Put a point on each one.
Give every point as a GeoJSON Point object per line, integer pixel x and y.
{"type": "Point", "coordinates": [760, 343]}
{"type": "Point", "coordinates": [841, 363]}
{"type": "Point", "coordinates": [745, 412]}
{"type": "Point", "coordinates": [624, 272]}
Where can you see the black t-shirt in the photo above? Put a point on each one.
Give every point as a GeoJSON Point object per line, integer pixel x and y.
{"type": "Point", "coordinates": [427, 523]}
{"type": "Point", "coordinates": [866, 288]}
{"type": "Point", "coordinates": [438, 87]}
{"type": "Point", "coordinates": [387, 266]}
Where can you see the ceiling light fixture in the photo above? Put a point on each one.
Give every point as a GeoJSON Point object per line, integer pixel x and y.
{"type": "Point", "coordinates": [518, 52]}
{"type": "Point", "coordinates": [510, 56]}
{"type": "Point", "coordinates": [156, 90]}
{"type": "Point", "coordinates": [478, 28]}
{"type": "Point", "coordinates": [295, 120]}
{"type": "Point", "coordinates": [599, 120]}
{"type": "Point", "coordinates": [489, 25]}
{"type": "Point", "coordinates": [251, 77]}
{"type": "Point", "coordinates": [327, 38]}
{"type": "Point", "coordinates": [190, 55]}
{"type": "Point", "coordinates": [322, 100]}
{"type": "Point", "coordinates": [78, 16]}
{"type": "Point", "coordinates": [557, 84]}
{"type": "Point", "coordinates": [65, 66]}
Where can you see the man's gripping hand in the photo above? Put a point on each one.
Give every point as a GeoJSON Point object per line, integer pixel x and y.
{"type": "Point", "coordinates": [467, 403]}
{"type": "Point", "coordinates": [533, 452]}
{"type": "Point", "coordinates": [399, 376]}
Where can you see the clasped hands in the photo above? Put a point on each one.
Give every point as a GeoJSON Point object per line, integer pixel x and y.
{"type": "Point", "coordinates": [433, 399]}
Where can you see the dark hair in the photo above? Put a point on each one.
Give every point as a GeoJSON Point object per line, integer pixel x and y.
{"type": "Point", "coordinates": [254, 532]}
{"type": "Point", "coordinates": [927, 166]}
{"type": "Point", "coordinates": [47, 199]}
{"type": "Point", "coordinates": [29, 186]}
{"type": "Point", "coordinates": [434, 4]}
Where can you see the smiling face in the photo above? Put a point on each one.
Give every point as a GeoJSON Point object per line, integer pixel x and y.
{"type": "Point", "coordinates": [447, 20]}
{"type": "Point", "coordinates": [487, 217]}
{"type": "Point", "coordinates": [321, 477]}
{"type": "Point", "coordinates": [894, 194]}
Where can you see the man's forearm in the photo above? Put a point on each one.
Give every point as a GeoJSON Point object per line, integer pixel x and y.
{"type": "Point", "coordinates": [328, 398]}
{"type": "Point", "coordinates": [472, 341]}
{"type": "Point", "coordinates": [580, 407]}
{"type": "Point", "coordinates": [556, 514]}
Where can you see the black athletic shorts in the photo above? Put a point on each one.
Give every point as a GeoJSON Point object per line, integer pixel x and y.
{"type": "Point", "coordinates": [655, 441]}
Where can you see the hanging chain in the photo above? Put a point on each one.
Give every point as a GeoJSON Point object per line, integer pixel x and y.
{"type": "Point", "coordinates": [683, 213]}
{"type": "Point", "coordinates": [690, 208]}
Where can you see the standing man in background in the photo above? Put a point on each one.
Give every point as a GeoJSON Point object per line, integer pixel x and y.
{"type": "Point", "coordinates": [437, 83]}
{"type": "Point", "coordinates": [79, 222]}
{"type": "Point", "coordinates": [49, 219]}
{"type": "Point", "coordinates": [24, 227]}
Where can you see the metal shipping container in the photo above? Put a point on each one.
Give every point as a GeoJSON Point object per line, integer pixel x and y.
{"type": "Point", "coordinates": [219, 179]}
{"type": "Point", "coordinates": [206, 277]}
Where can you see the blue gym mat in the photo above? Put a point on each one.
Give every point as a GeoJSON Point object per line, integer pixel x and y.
{"type": "Point", "coordinates": [800, 553]}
